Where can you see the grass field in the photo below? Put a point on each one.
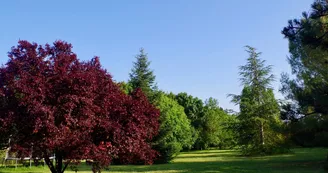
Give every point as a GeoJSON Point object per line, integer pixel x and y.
{"type": "Point", "coordinates": [218, 161]}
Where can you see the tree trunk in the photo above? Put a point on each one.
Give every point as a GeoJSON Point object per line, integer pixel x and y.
{"type": "Point", "coordinates": [96, 168]}
{"type": "Point", "coordinates": [59, 162]}
{"type": "Point", "coordinates": [262, 133]}
{"type": "Point", "coordinates": [49, 163]}
{"type": "Point", "coordinates": [58, 167]}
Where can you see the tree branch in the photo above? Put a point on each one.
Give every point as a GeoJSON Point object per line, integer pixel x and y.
{"type": "Point", "coordinates": [49, 163]}
{"type": "Point", "coordinates": [66, 164]}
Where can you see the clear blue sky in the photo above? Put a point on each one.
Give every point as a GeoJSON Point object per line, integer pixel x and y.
{"type": "Point", "coordinates": [195, 46]}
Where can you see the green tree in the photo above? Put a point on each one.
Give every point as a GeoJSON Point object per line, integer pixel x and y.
{"type": "Point", "coordinates": [175, 129]}
{"type": "Point", "coordinates": [214, 129]}
{"type": "Point", "coordinates": [142, 76]}
{"type": "Point", "coordinates": [259, 111]}
{"type": "Point", "coordinates": [193, 108]}
{"type": "Point", "coordinates": [125, 87]}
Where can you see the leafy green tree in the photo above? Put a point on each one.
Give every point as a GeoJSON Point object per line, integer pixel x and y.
{"type": "Point", "coordinates": [214, 129]}
{"type": "Point", "coordinates": [142, 76]}
{"type": "Point", "coordinates": [193, 108]}
{"type": "Point", "coordinates": [125, 87]}
{"type": "Point", "coordinates": [175, 131]}
{"type": "Point", "coordinates": [259, 111]}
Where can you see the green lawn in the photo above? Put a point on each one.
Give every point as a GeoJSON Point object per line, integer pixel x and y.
{"type": "Point", "coordinates": [220, 161]}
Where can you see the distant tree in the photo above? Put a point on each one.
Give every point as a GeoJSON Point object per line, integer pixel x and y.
{"type": "Point", "coordinates": [193, 107]}
{"type": "Point", "coordinates": [142, 76]}
{"type": "Point", "coordinates": [259, 110]}
{"type": "Point", "coordinates": [125, 87]}
{"type": "Point", "coordinates": [175, 129]}
{"type": "Point", "coordinates": [58, 105]}
{"type": "Point", "coordinates": [214, 131]}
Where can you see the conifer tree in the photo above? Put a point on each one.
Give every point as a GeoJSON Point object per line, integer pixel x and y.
{"type": "Point", "coordinates": [142, 76]}
{"type": "Point", "coordinates": [259, 110]}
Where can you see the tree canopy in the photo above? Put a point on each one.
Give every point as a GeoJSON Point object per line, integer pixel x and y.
{"type": "Point", "coordinates": [52, 103]}
{"type": "Point", "coordinates": [309, 60]}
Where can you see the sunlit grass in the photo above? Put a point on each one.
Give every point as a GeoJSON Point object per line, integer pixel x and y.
{"type": "Point", "coordinates": [217, 161]}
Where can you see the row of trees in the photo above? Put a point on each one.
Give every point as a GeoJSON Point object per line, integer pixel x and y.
{"type": "Point", "coordinates": [52, 103]}
{"type": "Point", "coordinates": [186, 122]}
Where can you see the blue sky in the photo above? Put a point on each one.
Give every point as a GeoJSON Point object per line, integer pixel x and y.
{"type": "Point", "coordinates": [195, 46]}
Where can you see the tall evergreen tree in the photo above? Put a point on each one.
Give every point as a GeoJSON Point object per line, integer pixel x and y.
{"type": "Point", "coordinates": [308, 43]}
{"type": "Point", "coordinates": [258, 108]}
{"type": "Point", "coordinates": [256, 75]}
{"type": "Point", "coordinates": [142, 76]}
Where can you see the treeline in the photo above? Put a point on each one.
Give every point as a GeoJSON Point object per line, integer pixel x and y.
{"type": "Point", "coordinates": [52, 103]}
{"type": "Point", "coordinates": [186, 122]}
{"type": "Point", "coordinates": [264, 124]}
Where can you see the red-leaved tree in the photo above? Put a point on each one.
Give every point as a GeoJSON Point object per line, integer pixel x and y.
{"type": "Point", "coordinates": [54, 104]}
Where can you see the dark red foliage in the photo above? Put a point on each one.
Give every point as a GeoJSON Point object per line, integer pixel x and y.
{"type": "Point", "coordinates": [52, 103]}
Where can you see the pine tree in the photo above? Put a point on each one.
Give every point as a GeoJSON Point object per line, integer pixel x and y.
{"type": "Point", "coordinates": [256, 75]}
{"type": "Point", "coordinates": [258, 108]}
{"type": "Point", "coordinates": [142, 76]}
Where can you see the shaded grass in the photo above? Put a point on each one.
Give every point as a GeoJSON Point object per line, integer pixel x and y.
{"type": "Point", "coordinates": [218, 161]}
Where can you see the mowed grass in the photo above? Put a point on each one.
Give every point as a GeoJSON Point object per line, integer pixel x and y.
{"type": "Point", "coordinates": [218, 161]}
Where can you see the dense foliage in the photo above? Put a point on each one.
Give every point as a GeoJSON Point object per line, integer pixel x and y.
{"type": "Point", "coordinates": [175, 131]}
{"type": "Point", "coordinates": [52, 103]}
{"type": "Point", "coordinates": [193, 107]}
{"type": "Point", "coordinates": [215, 129]}
{"type": "Point", "coordinates": [309, 60]}
{"type": "Point", "coordinates": [210, 123]}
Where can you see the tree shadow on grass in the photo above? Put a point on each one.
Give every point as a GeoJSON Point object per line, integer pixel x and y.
{"type": "Point", "coordinates": [242, 165]}
{"type": "Point", "coordinates": [225, 155]}
{"type": "Point", "coordinates": [252, 166]}
{"type": "Point", "coordinates": [210, 152]}
{"type": "Point", "coordinates": [308, 161]}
